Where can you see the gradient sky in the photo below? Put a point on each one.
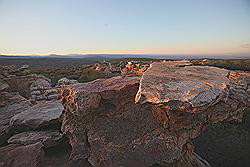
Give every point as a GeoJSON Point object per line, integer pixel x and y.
{"type": "Point", "coordinates": [125, 26]}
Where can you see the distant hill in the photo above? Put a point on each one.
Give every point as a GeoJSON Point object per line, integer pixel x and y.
{"type": "Point", "coordinates": [120, 56]}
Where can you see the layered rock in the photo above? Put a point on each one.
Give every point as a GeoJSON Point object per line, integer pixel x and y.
{"type": "Point", "coordinates": [10, 105]}
{"type": "Point", "coordinates": [175, 102]}
{"type": "Point", "coordinates": [31, 86]}
{"type": "Point", "coordinates": [188, 98]}
{"type": "Point", "coordinates": [38, 116]}
{"type": "Point", "coordinates": [28, 132]}
{"type": "Point", "coordinates": [90, 107]}
{"type": "Point", "coordinates": [38, 89]}
{"type": "Point", "coordinates": [48, 138]}
{"type": "Point", "coordinates": [29, 127]}
{"type": "Point", "coordinates": [26, 84]}
{"type": "Point", "coordinates": [15, 155]}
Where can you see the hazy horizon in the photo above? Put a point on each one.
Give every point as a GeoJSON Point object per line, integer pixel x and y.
{"type": "Point", "coordinates": [155, 27]}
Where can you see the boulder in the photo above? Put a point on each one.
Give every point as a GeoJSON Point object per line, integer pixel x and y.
{"type": "Point", "coordinates": [38, 116]}
{"type": "Point", "coordinates": [66, 81]}
{"type": "Point", "coordinates": [174, 103]}
{"type": "Point", "coordinates": [21, 156]}
{"type": "Point", "coordinates": [48, 138]}
{"type": "Point", "coordinates": [10, 105]}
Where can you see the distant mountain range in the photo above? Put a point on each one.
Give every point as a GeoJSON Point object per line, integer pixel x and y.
{"type": "Point", "coordinates": [120, 56]}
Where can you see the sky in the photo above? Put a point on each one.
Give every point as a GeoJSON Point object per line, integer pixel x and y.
{"type": "Point", "coordinates": [124, 27]}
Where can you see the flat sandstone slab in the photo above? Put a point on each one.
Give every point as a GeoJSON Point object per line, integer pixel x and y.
{"type": "Point", "coordinates": [197, 85]}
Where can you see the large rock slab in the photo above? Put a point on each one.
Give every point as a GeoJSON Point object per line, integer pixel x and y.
{"type": "Point", "coordinates": [107, 128]}
{"type": "Point", "coordinates": [49, 138]}
{"type": "Point", "coordinates": [197, 85]}
{"type": "Point", "coordinates": [10, 105]}
{"type": "Point", "coordinates": [38, 116]}
{"type": "Point", "coordinates": [21, 156]}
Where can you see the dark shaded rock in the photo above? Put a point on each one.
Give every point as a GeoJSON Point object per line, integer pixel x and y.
{"type": "Point", "coordinates": [10, 105]}
{"type": "Point", "coordinates": [38, 116]}
{"type": "Point", "coordinates": [49, 138]}
{"type": "Point", "coordinates": [21, 156]}
{"type": "Point", "coordinates": [225, 144]}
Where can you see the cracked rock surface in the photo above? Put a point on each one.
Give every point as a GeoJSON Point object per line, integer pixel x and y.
{"type": "Point", "coordinates": [175, 102]}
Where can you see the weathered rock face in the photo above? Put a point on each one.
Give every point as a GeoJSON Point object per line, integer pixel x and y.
{"type": "Point", "coordinates": [10, 105]}
{"type": "Point", "coordinates": [3, 85]}
{"type": "Point", "coordinates": [196, 85]}
{"type": "Point", "coordinates": [49, 138]}
{"type": "Point", "coordinates": [22, 84]}
{"type": "Point", "coordinates": [22, 156]}
{"type": "Point", "coordinates": [174, 104]}
{"type": "Point", "coordinates": [38, 116]}
{"type": "Point", "coordinates": [38, 89]}
{"type": "Point", "coordinates": [31, 86]}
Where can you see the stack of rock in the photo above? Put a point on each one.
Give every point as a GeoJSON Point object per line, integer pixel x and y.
{"type": "Point", "coordinates": [28, 130]}
{"type": "Point", "coordinates": [41, 89]}
{"type": "Point", "coordinates": [31, 86]}
{"type": "Point", "coordinates": [38, 89]}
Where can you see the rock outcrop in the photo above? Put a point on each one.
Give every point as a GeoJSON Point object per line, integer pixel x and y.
{"type": "Point", "coordinates": [31, 86]}
{"type": "Point", "coordinates": [38, 116]}
{"type": "Point", "coordinates": [10, 105]}
{"type": "Point", "coordinates": [38, 89]}
{"type": "Point", "coordinates": [26, 84]}
{"type": "Point", "coordinates": [175, 102]}
{"type": "Point", "coordinates": [15, 155]}
{"type": "Point", "coordinates": [48, 138]}
{"type": "Point", "coordinates": [29, 120]}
